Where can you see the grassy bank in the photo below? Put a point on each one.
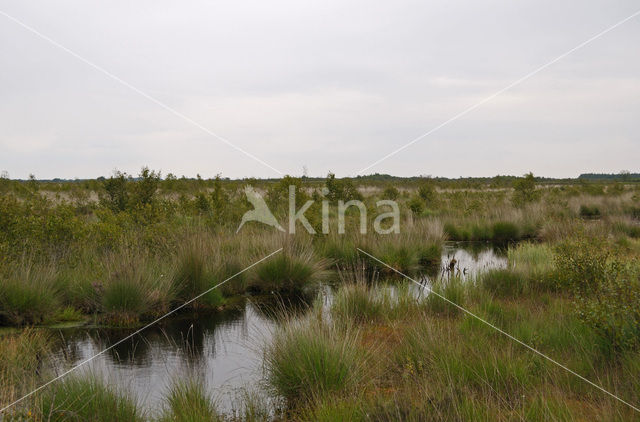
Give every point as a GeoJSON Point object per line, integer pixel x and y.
{"type": "Point", "coordinates": [420, 358]}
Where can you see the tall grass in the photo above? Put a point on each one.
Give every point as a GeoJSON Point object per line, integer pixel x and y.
{"type": "Point", "coordinates": [28, 295]}
{"type": "Point", "coordinates": [503, 282]}
{"type": "Point", "coordinates": [21, 358]}
{"type": "Point", "coordinates": [193, 277]}
{"type": "Point", "coordinates": [295, 271]}
{"type": "Point", "coordinates": [308, 359]}
{"type": "Point", "coordinates": [86, 398]}
{"type": "Point", "coordinates": [532, 260]}
{"type": "Point", "coordinates": [453, 290]}
{"type": "Point", "coordinates": [188, 401]}
{"type": "Point", "coordinates": [359, 303]}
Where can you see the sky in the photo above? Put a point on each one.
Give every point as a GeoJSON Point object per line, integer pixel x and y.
{"type": "Point", "coordinates": [322, 86]}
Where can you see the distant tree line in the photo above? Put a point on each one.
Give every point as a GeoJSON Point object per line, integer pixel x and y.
{"type": "Point", "coordinates": [623, 176]}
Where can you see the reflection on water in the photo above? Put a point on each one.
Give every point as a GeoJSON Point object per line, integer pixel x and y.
{"type": "Point", "coordinates": [225, 349]}
{"type": "Point", "coordinates": [470, 259]}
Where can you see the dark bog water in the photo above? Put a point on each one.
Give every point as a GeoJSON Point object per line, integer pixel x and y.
{"type": "Point", "coordinates": [225, 349]}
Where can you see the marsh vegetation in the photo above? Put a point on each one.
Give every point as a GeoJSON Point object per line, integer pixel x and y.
{"type": "Point", "coordinates": [348, 338]}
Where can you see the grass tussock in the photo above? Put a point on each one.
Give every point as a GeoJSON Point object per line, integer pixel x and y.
{"type": "Point", "coordinates": [28, 296]}
{"type": "Point", "coordinates": [308, 359]}
{"type": "Point", "coordinates": [295, 271]}
{"type": "Point", "coordinates": [360, 303]}
{"type": "Point", "coordinates": [193, 277]}
{"type": "Point", "coordinates": [188, 401]}
{"type": "Point", "coordinates": [87, 399]}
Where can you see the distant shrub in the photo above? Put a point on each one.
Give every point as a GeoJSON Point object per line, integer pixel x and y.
{"type": "Point", "coordinates": [391, 193]}
{"type": "Point", "coordinates": [416, 205]}
{"type": "Point", "coordinates": [117, 192]}
{"type": "Point", "coordinates": [428, 193]}
{"type": "Point", "coordinates": [587, 211]}
{"type": "Point", "coordinates": [525, 190]}
{"type": "Point", "coordinates": [202, 203]}
{"type": "Point", "coordinates": [144, 189]}
{"type": "Point", "coordinates": [341, 189]}
{"type": "Point", "coordinates": [122, 192]}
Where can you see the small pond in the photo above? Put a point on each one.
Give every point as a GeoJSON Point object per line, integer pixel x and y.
{"type": "Point", "coordinates": [224, 348]}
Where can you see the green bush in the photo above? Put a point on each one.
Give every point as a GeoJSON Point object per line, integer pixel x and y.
{"type": "Point", "coordinates": [587, 211]}
{"type": "Point", "coordinates": [525, 190]}
{"type": "Point", "coordinates": [581, 264]}
{"type": "Point", "coordinates": [341, 189]}
{"type": "Point", "coordinates": [390, 193]}
{"type": "Point", "coordinates": [428, 193]}
{"type": "Point", "coordinates": [613, 310]}
{"type": "Point", "coordinates": [416, 205]}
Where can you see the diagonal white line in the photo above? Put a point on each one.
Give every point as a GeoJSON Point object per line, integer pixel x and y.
{"type": "Point", "coordinates": [502, 332]}
{"type": "Point", "coordinates": [497, 93]}
{"type": "Point", "coordinates": [136, 332]}
{"type": "Point", "coordinates": [137, 90]}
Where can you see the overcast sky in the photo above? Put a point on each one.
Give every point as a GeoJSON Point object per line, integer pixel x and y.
{"type": "Point", "coordinates": [331, 85]}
